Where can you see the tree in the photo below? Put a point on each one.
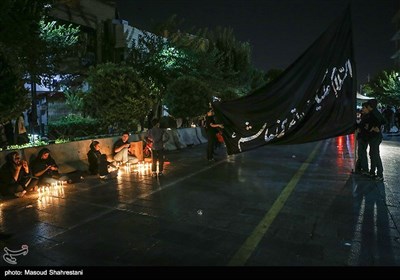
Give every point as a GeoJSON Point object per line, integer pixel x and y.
{"type": "Point", "coordinates": [220, 60]}
{"type": "Point", "coordinates": [187, 97]}
{"type": "Point", "coordinates": [13, 95]}
{"type": "Point", "coordinates": [117, 95]}
{"type": "Point", "coordinates": [158, 62]}
{"type": "Point", "coordinates": [19, 26]}
{"type": "Point", "coordinates": [216, 59]}
{"type": "Point", "coordinates": [33, 46]}
{"type": "Point", "coordinates": [385, 87]}
{"type": "Point", "coordinates": [45, 56]}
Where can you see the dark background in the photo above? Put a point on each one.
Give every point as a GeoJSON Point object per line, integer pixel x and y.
{"type": "Point", "coordinates": [279, 31]}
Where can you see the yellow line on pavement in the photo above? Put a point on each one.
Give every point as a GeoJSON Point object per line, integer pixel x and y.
{"type": "Point", "coordinates": [245, 251]}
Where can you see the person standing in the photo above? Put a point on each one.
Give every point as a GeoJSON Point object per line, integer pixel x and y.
{"type": "Point", "coordinates": [211, 129]}
{"type": "Point", "coordinates": [20, 131]}
{"type": "Point", "coordinates": [158, 136]}
{"type": "Point", "coordinates": [362, 141]}
{"type": "Point", "coordinates": [375, 124]}
{"type": "Point", "coordinates": [9, 131]}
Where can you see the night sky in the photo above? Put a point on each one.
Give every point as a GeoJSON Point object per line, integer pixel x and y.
{"type": "Point", "coordinates": [279, 31]}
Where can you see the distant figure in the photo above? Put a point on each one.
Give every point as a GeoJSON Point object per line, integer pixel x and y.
{"type": "Point", "coordinates": [15, 176]}
{"type": "Point", "coordinates": [9, 131]}
{"type": "Point", "coordinates": [388, 114]}
{"type": "Point", "coordinates": [121, 150]}
{"type": "Point", "coordinates": [158, 137]}
{"type": "Point", "coordinates": [31, 121]}
{"type": "Point", "coordinates": [3, 137]}
{"type": "Point", "coordinates": [20, 131]}
{"type": "Point", "coordinates": [150, 117]}
{"type": "Point", "coordinates": [397, 119]}
{"type": "Point", "coordinates": [211, 129]}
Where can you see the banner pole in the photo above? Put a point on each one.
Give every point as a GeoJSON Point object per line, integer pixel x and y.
{"type": "Point", "coordinates": [355, 151]}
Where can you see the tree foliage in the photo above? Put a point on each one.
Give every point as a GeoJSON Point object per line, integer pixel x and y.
{"type": "Point", "coordinates": [117, 95]}
{"type": "Point", "coordinates": [215, 58]}
{"type": "Point", "coordinates": [385, 87]}
{"type": "Point", "coordinates": [33, 47]}
{"type": "Point", "coordinates": [19, 27]}
{"type": "Point", "coordinates": [158, 62]}
{"type": "Point", "coordinates": [13, 95]}
{"type": "Point", "coordinates": [187, 97]}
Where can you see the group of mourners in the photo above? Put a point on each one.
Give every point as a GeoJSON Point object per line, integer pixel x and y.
{"type": "Point", "coordinates": [98, 163]}
{"type": "Point", "coordinates": [369, 133]}
{"type": "Point", "coordinates": [18, 177]}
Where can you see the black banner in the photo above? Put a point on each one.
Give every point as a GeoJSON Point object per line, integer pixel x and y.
{"type": "Point", "coordinates": [313, 99]}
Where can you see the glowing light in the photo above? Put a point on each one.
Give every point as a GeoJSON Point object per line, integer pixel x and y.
{"type": "Point", "coordinates": [54, 190]}
{"type": "Point", "coordinates": [143, 167]}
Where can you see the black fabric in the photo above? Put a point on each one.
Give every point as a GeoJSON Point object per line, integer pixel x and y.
{"type": "Point", "coordinates": [313, 99]}
{"type": "Point", "coordinates": [94, 161]}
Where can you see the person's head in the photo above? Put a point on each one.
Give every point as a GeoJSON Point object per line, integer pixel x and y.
{"type": "Point", "coordinates": [44, 153]}
{"type": "Point", "coordinates": [95, 146]}
{"type": "Point", "coordinates": [372, 104]}
{"type": "Point", "coordinates": [125, 136]}
{"type": "Point", "coordinates": [155, 122]}
{"type": "Point", "coordinates": [364, 108]}
{"type": "Point", "coordinates": [13, 158]}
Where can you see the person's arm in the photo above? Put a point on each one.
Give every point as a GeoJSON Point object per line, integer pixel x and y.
{"type": "Point", "coordinates": [16, 172]}
{"type": "Point", "coordinates": [120, 148]}
{"type": "Point", "coordinates": [53, 164]}
{"type": "Point", "coordinates": [41, 172]}
{"type": "Point", "coordinates": [216, 125]}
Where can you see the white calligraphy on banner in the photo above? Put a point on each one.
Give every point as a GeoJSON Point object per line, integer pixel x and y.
{"type": "Point", "coordinates": [330, 83]}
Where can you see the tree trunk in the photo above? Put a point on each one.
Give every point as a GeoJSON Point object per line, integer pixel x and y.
{"type": "Point", "coordinates": [33, 125]}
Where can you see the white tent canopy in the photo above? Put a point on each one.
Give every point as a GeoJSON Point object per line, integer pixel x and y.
{"type": "Point", "coordinates": [363, 97]}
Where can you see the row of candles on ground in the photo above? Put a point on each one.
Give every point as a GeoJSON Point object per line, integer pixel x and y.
{"type": "Point", "coordinates": [54, 189]}
{"type": "Point", "coordinates": [141, 167]}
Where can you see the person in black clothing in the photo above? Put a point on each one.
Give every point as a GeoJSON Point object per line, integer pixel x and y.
{"type": "Point", "coordinates": [397, 119]}
{"type": "Point", "coordinates": [15, 176]}
{"type": "Point", "coordinates": [45, 169]}
{"type": "Point", "coordinates": [98, 163]}
{"type": "Point", "coordinates": [388, 115]}
{"type": "Point", "coordinates": [362, 140]}
{"type": "Point", "coordinates": [375, 122]}
{"type": "Point", "coordinates": [94, 155]}
{"type": "Point", "coordinates": [9, 132]}
{"type": "Point", "coordinates": [211, 129]}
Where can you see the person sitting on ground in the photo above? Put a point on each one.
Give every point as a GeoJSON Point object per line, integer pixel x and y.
{"type": "Point", "coordinates": [158, 136]}
{"type": "Point", "coordinates": [15, 176]}
{"type": "Point", "coordinates": [45, 169]}
{"type": "Point", "coordinates": [121, 150]}
{"type": "Point", "coordinates": [98, 163]}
